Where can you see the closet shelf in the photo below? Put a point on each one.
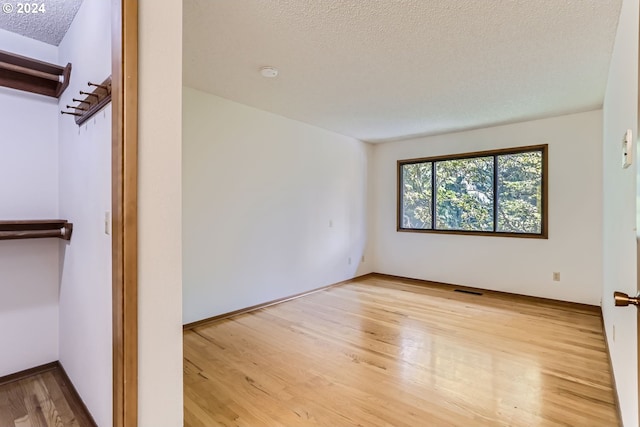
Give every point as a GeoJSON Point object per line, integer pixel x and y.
{"type": "Point", "coordinates": [22, 73]}
{"type": "Point", "coordinates": [35, 229]}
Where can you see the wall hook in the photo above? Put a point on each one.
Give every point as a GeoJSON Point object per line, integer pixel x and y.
{"type": "Point", "coordinates": [97, 85]}
{"type": "Point", "coordinates": [91, 102]}
{"type": "Point", "coordinates": [89, 94]}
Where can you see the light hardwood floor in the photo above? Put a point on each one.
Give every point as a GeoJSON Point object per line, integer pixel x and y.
{"type": "Point", "coordinates": [44, 399]}
{"type": "Point", "coordinates": [385, 352]}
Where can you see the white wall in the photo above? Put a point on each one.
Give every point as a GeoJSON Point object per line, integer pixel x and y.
{"type": "Point", "coordinates": [85, 195]}
{"type": "Point", "coordinates": [15, 43]}
{"type": "Point", "coordinates": [29, 176]}
{"type": "Point", "coordinates": [259, 194]}
{"type": "Point", "coordinates": [159, 209]}
{"type": "Point", "coordinates": [517, 265]}
{"type": "Point", "coordinates": [619, 265]}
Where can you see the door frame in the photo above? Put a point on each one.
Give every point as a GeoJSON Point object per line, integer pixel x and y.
{"type": "Point", "coordinates": [124, 202]}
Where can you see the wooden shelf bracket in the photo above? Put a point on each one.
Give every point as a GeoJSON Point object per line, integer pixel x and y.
{"type": "Point", "coordinates": [36, 229]}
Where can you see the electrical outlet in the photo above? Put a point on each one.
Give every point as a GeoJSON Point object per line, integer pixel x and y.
{"type": "Point", "coordinates": [362, 260]}
{"type": "Point", "coordinates": [330, 223]}
{"type": "Point", "coordinates": [349, 261]}
{"type": "Point", "coordinates": [556, 276]}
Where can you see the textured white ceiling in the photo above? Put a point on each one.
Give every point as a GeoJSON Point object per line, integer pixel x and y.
{"type": "Point", "coordinates": [49, 26]}
{"type": "Point", "coordinates": [387, 69]}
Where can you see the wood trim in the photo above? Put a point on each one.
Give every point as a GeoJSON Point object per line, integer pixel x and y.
{"type": "Point", "coordinates": [223, 316]}
{"type": "Point", "coordinates": [544, 231]}
{"type": "Point", "coordinates": [406, 280]}
{"type": "Point", "coordinates": [28, 71]}
{"type": "Point", "coordinates": [73, 397]}
{"type": "Point", "coordinates": [27, 74]}
{"type": "Point", "coordinates": [35, 229]}
{"type": "Point", "coordinates": [428, 283]}
{"type": "Point", "coordinates": [545, 192]}
{"type": "Point", "coordinates": [125, 209]}
{"type": "Point", "coordinates": [17, 376]}
{"type": "Point", "coordinates": [34, 64]}
{"type": "Point", "coordinates": [476, 233]}
{"type": "Point", "coordinates": [34, 234]}
{"type": "Point", "coordinates": [31, 224]}
{"type": "Point", "coordinates": [616, 398]}
{"type": "Point", "coordinates": [66, 79]}
{"type": "Point", "coordinates": [92, 105]}
{"type": "Point", "coordinates": [473, 154]}
{"type": "Point", "coordinates": [400, 196]}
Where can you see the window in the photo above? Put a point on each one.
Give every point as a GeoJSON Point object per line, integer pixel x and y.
{"type": "Point", "coordinates": [501, 192]}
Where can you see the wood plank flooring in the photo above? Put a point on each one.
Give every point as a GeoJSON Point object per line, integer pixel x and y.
{"type": "Point", "coordinates": [41, 400]}
{"type": "Point", "coordinates": [384, 352]}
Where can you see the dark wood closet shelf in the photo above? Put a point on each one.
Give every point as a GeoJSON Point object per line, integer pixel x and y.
{"type": "Point", "coordinates": [22, 73]}
{"type": "Point", "coordinates": [35, 229]}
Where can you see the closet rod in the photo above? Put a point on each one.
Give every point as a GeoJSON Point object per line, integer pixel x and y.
{"type": "Point", "coordinates": [29, 71]}
{"type": "Point", "coordinates": [31, 234]}
{"type": "Point", "coordinates": [35, 229]}
{"type": "Point", "coordinates": [31, 75]}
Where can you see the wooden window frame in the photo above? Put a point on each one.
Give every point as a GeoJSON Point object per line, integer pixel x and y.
{"type": "Point", "coordinates": [543, 148]}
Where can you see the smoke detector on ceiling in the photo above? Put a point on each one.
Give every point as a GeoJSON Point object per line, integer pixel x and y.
{"type": "Point", "coordinates": [269, 72]}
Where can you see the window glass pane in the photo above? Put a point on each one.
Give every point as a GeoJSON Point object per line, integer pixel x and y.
{"type": "Point", "coordinates": [520, 192]}
{"type": "Point", "coordinates": [464, 194]}
{"type": "Point", "coordinates": [416, 195]}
